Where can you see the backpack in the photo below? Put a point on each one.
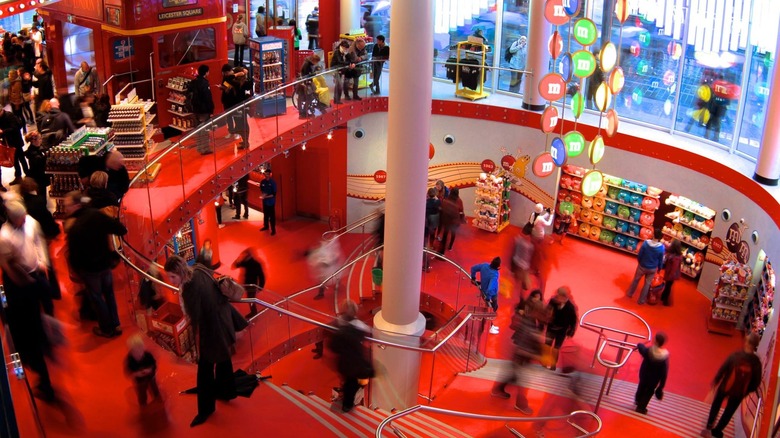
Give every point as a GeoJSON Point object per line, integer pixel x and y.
{"type": "Point", "coordinates": [507, 54]}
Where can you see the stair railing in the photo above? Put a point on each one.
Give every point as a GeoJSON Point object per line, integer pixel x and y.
{"type": "Point", "coordinates": [569, 418]}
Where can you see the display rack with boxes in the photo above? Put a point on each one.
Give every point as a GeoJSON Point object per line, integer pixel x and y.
{"type": "Point", "coordinates": [268, 67]}
{"type": "Point", "coordinates": [172, 330]}
{"type": "Point", "coordinates": [182, 117]}
{"type": "Point", "coordinates": [183, 243]}
{"type": "Point", "coordinates": [133, 130]}
{"type": "Point", "coordinates": [62, 161]}
{"type": "Point", "coordinates": [492, 202]}
{"type": "Point", "coordinates": [691, 223]}
{"type": "Point", "coordinates": [731, 293]}
{"type": "Point", "coordinates": [620, 215]}
{"type": "Point", "coordinates": [762, 301]}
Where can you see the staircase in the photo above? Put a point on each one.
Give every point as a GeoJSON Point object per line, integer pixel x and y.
{"type": "Point", "coordinates": [362, 421]}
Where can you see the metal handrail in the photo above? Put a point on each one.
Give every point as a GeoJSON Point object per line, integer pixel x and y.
{"type": "Point", "coordinates": [755, 417]}
{"type": "Point", "coordinates": [413, 409]}
{"type": "Point", "coordinates": [116, 75]}
{"type": "Point", "coordinates": [489, 67]}
{"type": "Point", "coordinates": [125, 87]}
{"type": "Point", "coordinates": [244, 105]}
{"type": "Point", "coordinates": [353, 226]}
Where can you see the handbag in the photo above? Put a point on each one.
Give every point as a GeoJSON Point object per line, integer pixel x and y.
{"type": "Point", "coordinates": [7, 155]}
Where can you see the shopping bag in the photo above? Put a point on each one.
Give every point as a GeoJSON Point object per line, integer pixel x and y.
{"type": "Point", "coordinates": [7, 155]}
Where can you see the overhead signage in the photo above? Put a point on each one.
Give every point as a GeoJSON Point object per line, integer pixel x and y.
{"type": "Point", "coordinates": [184, 13]}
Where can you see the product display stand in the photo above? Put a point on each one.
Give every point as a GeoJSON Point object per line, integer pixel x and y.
{"type": "Point", "coordinates": [761, 303]}
{"type": "Point", "coordinates": [62, 161]}
{"type": "Point", "coordinates": [620, 216]}
{"type": "Point", "coordinates": [692, 225]}
{"type": "Point", "coordinates": [183, 243]}
{"type": "Point", "coordinates": [731, 293]}
{"type": "Point", "coordinates": [492, 201]}
{"type": "Point", "coordinates": [131, 122]}
{"type": "Point", "coordinates": [476, 52]}
{"type": "Point", "coordinates": [180, 109]}
{"type": "Point", "coordinates": [268, 66]}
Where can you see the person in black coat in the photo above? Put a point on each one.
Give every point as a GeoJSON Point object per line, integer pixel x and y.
{"type": "Point", "coordinates": [97, 192]}
{"type": "Point", "coordinates": [352, 360]}
{"type": "Point", "coordinates": [44, 83]}
{"type": "Point", "coordinates": [226, 99]}
{"type": "Point", "coordinates": [340, 58]}
{"type": "Point", "coordinates": [241, 91]}
{"type": "Point", "coordinates": [652, 372]}
{"type": "Point", "coordinates": [37, 163]}
{"type": "Point", "coordinates": [253, 277]}
{"type": "Point", "coordinates": [739, 375]}
{"type": "Point", "coordinates": [210, 314]}
{"type": "Point", "coordinates": [202, 106]}
{"type": "Point", "coordinates": [563, 321]}
{"type": "Point", "coordinates": [11, 129]}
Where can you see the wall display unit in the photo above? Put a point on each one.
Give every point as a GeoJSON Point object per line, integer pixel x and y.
{"type": "Point", "coordinates": [760, 304]}
{"type": "Point", "coordinates": [181, 113]}
{"type": "Point", "coordinates": [133, 130]}
{"type": "Point", "coordinates": [621, 215]}
{"type": "Point", "coordinates": [183, 243]}
{"type": "Point", "coordinates": [691, 223]}
{"type": "Point", "coordinates": [268, 67]}
{"type": "Point", "coordinates": [731, 294]}
{"type": "Point", "coordinates": [492, 202]}
{"type": "Point", "coordinates": [62, 161]}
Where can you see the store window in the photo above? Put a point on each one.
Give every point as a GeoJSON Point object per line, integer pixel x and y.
{"type": "Point", "coordinates": [455, 21]}
{"type": "Point", "coordinates": [514, 26]}
{"type": "Point", "coordinates": [186, 47]}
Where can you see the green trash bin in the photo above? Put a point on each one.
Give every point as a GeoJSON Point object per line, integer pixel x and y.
{"type": "Point", "coordinates": [376, 275]}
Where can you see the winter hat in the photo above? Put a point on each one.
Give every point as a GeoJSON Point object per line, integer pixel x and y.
{"type": "Point", "coordinates": [538, 208]}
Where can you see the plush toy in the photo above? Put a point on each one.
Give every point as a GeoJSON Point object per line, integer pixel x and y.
{"type": "Point", "coordinates": [599, 203]}
{"type": "Point", "coordinates": [576, 198]}
{"type": "Point", "coordinates": [587, 201]}
{"type": "Point", "coordinates": [577, 210]}
{"type": "Point", "coordinates": [678, 229]}
{"type": "Point", "coordinates": [626, 183]}
{"type": "Point", "coordinates": [709, 224]}
{"type": "Point", "coordinates": [565, 182]}
{"type": "Point", "coordinates": [635, 199]}
{"type": "Point", "coordinates": [595, 232]}
{"type": "Point", "coordinates": [574, 170]}
{"type": "Point", "coordinates": [608, 237]}
{"type": "Point", "coordinates": [621, 227]}
{"type": "Point", "coordinates": [565, 208]}
{"type": "Point", "coordinates": [631, 244]}
{"type": "Point", "coordinates": [704, 239]}
{"type": "Point", "coordinates": [646, 218]}
{"type": "Point", "coordinates": [596, 218]}
{"type": "Point", "coordinates": [650, 204]}
{"type": "Point", "coordinates": [688, 217]}
{"type": "Point", "coordinates": [576, 184]}
{"type": "Point", "coordinates": [635, 214]}
{"type": "Point", "coordinates": [613, 180]}
{"type": "Point", "coordinates": [585, 214]}
{"type": "Point", "coordinates": [641, 188]}
{"type": "Point", "coordinates": [624, 196]}
{"type": "Point", "coordinates": [634, 229]}
{"type": "Point", "coordinates": [563, 194]}
{"type": "Point", "coordinates": [609, 222]}
{"type": "Point", "coordinates": [623, 212]}
{"type": "Point", "coordinates": [619, 241]}
{"type": "Point", "coordinates": [646, 233]}
{"type": "Point", "coordinates": [654, 191]}
{"type": "Point", "coordinates": [602, 192]}
{"type": "Point", "coordinates": [584, 230]}
{"type": "Point", "coordinates": [612, 192]}
{"type": "Point", "coordinates": [610, 208]}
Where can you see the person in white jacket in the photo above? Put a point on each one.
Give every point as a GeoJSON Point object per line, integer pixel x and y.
{"type": "Point", "coordinates": [519, 50]}
{"type": "Point", "coordinates": [540, 218]}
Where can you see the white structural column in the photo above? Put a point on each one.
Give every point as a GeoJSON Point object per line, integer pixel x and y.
{"type": "Point", "coordinates": [350, 15]}
{"type": "Point", "coordinates": [538, 57]}
{"type": "Point", "coordinates": [409, 126]}
{"type": "Point", "coordinates": [768, 165]}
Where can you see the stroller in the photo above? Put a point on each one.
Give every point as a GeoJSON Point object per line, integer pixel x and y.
{"type": "Point", "coordinates": [311, 96]}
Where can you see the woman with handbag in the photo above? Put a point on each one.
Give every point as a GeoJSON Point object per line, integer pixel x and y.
{"type": "Point", "coordinates": [672, 263]}
{"type": "Point", "coordinates": [11, 130]}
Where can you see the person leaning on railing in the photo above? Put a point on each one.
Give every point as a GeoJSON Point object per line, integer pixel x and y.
{"type": "Point", "coordinates": [340, 60]}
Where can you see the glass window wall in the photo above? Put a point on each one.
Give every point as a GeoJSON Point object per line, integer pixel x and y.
{"type": "Point", "coordinates": [186, 47]}
{"type": "Point", "coordinates": [514, 33]}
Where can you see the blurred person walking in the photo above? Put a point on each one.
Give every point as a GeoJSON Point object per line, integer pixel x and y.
{"type": "Point", "coordinates": [522, 255]}
{"type": "Point", "coordinates": [518, 50]}
{"type": "Point", "coordinates": [141, 366]}
{"type": "Point", "coordinates": [650, 259]}
{"type": "Point", "coordinates": [652, 372]}
{"type": "Point", "coordinates": [210, 314]}
{"type": "Point", "coordinates": [452, 216]}
{"type": "Point", "coordinates": [672, 264]}
{"type": "Point", "coordinates": [324, 261]}
{"type": "Point", "coordinates": [252, 276]}
{"type": "Point", "coordinates": [563, 322]}
{"type": "Point", "coordinates": [352, 357]}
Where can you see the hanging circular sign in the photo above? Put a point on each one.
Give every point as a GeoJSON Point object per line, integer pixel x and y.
{"type": "Point", "coordinates": [603, 97]}
{"type": "Point", "coordinates": [669, 77]}
{"type": "Point", "coordinates": [380, 176]}
{"type": "Point", "coordinates": [608, 57]}
{"type": "Point", "coordinates": [743, 252]}
{"type": "Point", "coordinates": [552, 87]}
{"type": "Point", "coordinates": [507, 161]}
{"type": "Point", "coordinates": [543, 165]}
{"type": "Point", "coordinates": [592, 183]}
{"type": "Point", "coordinates": [558, 151]}
{"type": "Point", "coordinates": [488, 166]}
{"type": "Point", "coordinates": [644, 38]}
{"type": "Point", "coordinates": [733, 236]}
{"type": "Point", "coordinates": [564, 67]}
{"type": "Point", "coordinates": [621, 10]}
{"type": "Point", "coordinates": [577, 105]}
{"type": "Point", "coordinates": [549, 119]}
{"type": "Point", "coordinates": [575, 143]}
{"type": "Point", "coordinates": [583, 63]}
{"type": "Point", "coordinates": [717, 245]}
{"type": "Point", "coordinates": [674, 50]}
{"type": "Point", "coordinates": [555, 13]}
{"type": "Point", "coordinates": [585, 31]}
{"type": "Point", "coordinates": [616, 80]}
{"type": "Point", "coordinates": [612, 122]}
{"type": "Point", "coordinates": [572, 7]}
{"type": "Point", "coordinates": [555, 45]}
{"type": "Point", "coordinates": [431, 151]}
{"type": "Point", "coordinates": [596, 150]}
{"type": "Point", "coordinates": [635, 49]}
{"type": "Point", "coordinates": [637, 96]}
{"type": "Point", "coordinates": [642, 67]}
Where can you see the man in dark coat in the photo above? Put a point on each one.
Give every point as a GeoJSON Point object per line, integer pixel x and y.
{"type": "Point", "coordinates": [352, 360]}
{"type": "Point", "coordinates": [210, 314]}
{"type": "Point", "coordinates": [44, 83]}
{"type": "Point", "coordinates": [652, 372]}
{"type": "Point", "coordinates": [563, 321]}
{"type": "Point", "coordinates": [202, 106]}
{"type": "Point", "coordinates": [737, 377]}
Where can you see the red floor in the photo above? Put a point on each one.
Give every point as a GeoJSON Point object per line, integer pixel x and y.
{"type": "Point", "coordinates": [98, 398]}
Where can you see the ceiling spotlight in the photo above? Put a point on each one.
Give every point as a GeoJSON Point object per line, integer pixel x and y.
{"type": "Point", "coordinates": [32, 3]}
{"type": "Point", "coordinates": [21, 5]}
{"type": "Point", "coordinates": [330, 134]}
{"type": "Point", "coordinates": [303, 146]}
{"type": "Point", "coordinates": [286, 153]}
{"type": "Point", "coordinates": [11, 9]}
